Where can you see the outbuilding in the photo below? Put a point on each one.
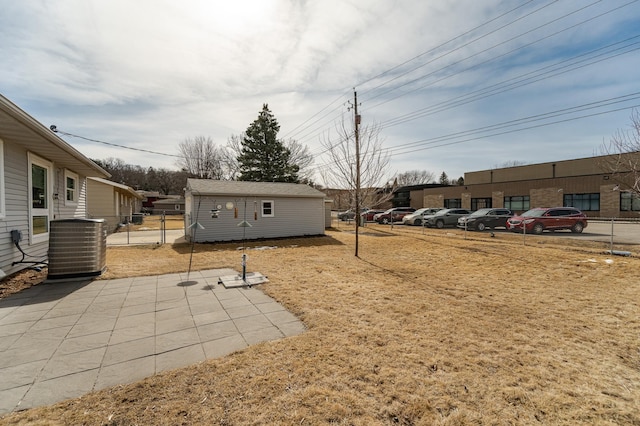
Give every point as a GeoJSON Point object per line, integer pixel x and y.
{"type": "Point", "coordinates": [237, 210]}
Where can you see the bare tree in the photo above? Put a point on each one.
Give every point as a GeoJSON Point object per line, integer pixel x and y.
{"type": "Point", "coordinates": [622, 155]}
{"type": "Point", "coordinates": [201, 158]}
{"type": "Point", "coordinates": [340, 170]}
{"type": "Point", "coordinates": [415, 177]}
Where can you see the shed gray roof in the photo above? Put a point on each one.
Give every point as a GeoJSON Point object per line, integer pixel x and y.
{"type": "Point", "coordinates": [248, 189]}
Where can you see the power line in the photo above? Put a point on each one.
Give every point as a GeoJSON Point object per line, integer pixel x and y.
{"type": "Point", "coordinates": [400, 65]}
{"type": "Point", "coordinates": [458, 48]}
{"type": "Point", "coordinates": [54, 129]}
{"type": "Point", "coordinates": [478, 133]}
{"type": "Point", "coordinates": [493, 47]}
{"type": "Point", "coordinates": [517, 82]}
{"type": "Point", "coordinates": [518, 130]}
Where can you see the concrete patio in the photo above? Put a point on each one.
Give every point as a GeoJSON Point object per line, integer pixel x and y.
{"type": "Point", "coordinates": [63, 339]}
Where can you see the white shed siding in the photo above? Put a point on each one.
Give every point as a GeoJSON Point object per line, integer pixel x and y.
{"type": "Point", "coordinates": [292, 217]}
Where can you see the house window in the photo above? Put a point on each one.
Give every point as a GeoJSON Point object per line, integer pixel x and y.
{"type": "Point", "coordinates": [2, 206]}
{"type": "Point", "coordinates": [517, 203]}
{"type": "Point", "coordinates": [453, 203]}
{"type": "Point", "coordinates": [71, 188]}
{"type": "Point", "coordinates": [480, 203]}
{"type": "Point", "coordinates": [629, 202]}
{"type": "Point", "coordinates": [39, 206]}
{"type": "Point", "coordinates": [267, 208]}
{"type": "Point", "coordinates": [584, 202]}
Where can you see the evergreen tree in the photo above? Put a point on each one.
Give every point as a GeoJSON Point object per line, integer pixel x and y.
{"type": "Point", "coordinates": [264, 158]}
{"type": "Point", "coordinates": [444, 179]}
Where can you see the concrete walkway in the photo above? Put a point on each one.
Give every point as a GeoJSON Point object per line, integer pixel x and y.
{"type": "Point", "coordinates": [64, 339]}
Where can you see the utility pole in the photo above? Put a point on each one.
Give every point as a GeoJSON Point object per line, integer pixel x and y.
{"type": "Point", "coordinates": [357, 137]}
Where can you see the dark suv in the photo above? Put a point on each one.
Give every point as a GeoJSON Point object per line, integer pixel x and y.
{"type": "Point", "coordinates": [485, 218]}
{"type": "Point", "coordinates": [537, 220]}
{"type": "Point", "coordinates": [393, 215]}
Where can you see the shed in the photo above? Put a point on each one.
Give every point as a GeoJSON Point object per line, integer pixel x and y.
{"type": "Point", "coordinates": [266, 209]}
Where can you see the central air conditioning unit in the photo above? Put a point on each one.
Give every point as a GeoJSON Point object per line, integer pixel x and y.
{"type": "Point", "coordinates": [77, 248]}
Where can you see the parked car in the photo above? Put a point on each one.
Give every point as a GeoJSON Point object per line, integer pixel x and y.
{"type": "Point", "coordinates": [539, 219]}
{"type": "Point", "coordinates": [445, 217]}
{"type": "Point", "coordinates": [369, 214]}
{"type": "Point", "coordinates": [485, 218]}
{"type": "Point", "coordinates": [394, 214]}
{"type": "Point", "coordinates": [350, 214]}
{"type": "Point", "coordinates": [416, 218]}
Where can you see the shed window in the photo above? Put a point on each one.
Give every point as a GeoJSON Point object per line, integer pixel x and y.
{"type": "Point", "coordinates": [267, 208]}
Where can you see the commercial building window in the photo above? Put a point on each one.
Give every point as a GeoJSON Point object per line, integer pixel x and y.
{"type": "Point", "coordinates": [584, 202]}
{"type": "Point", "coordinates": [267, 208]}
{"type": "Point", "coordinates": [517, 203]}
{"type": "Point", "coordinates": [480, 203]}
{"type": "Point", "coordinates": [453, 203]}
{"type": "Point", "coordinates": [629, 202]}
{"type": "Point", "coordinates": [71, 188]}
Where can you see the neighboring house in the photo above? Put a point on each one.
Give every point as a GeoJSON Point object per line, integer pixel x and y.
{"type": "Point", "coordinates": [42, 178]}
{"type": "Point", "coordinates": [148, 198]}
{"type": "Point", "coordinates": [111, 201]}
{"type": "Point", "coordinates": [172, 205]}
{"type": "Point", "coordinates": [272, 209]}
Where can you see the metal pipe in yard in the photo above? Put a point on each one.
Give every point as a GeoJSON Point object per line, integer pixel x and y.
{"type": "Point", "coordinates": [612, 235]}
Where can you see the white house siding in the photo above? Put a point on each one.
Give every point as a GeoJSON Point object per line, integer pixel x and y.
{"type": "Point", "coordinates": [62, 209]}
{"type": "Point", "coordinates": [292, 217]}
{"type": "Point", "coordinates": [16, 169]}
{"type": "Point", "coordinates": [16, 205]}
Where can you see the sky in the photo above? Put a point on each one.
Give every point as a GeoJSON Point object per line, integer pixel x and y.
{"type": "Point", "coordinates": [453, 86]}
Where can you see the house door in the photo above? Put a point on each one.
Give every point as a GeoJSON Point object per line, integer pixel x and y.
{"type": "Point", "coordinates": [40, 184]}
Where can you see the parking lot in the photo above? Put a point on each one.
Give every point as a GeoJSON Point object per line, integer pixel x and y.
{"type": "Point", "coordinates": [597, 230]}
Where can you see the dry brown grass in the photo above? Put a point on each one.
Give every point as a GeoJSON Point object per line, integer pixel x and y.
{"type": "Point", "coordinates": [419, 330]}
{"type": "Point", "coordinates": [153, 222]}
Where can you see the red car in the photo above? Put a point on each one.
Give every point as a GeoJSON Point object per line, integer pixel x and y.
{"type": "Point", "coordinates": [395, 214]}
{"type": "Point", "coordinates": [539, 219]}
{"type": "Point", "coordinates": [368, 215]}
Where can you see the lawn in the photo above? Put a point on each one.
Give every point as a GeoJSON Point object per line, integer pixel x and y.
{"type": "Point", "coordinates": [419, 330]}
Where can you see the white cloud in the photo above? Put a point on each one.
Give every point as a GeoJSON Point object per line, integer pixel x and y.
{"type": "Point", "coordinates": [149, 73]}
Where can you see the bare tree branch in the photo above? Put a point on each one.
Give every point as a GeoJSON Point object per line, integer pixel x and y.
{"type": "Point", "coordinates": [622, 155]}
{"type": "Point", "coordinates": [340, 171]}
{"type": "Point", "coordinates": [201, 158]}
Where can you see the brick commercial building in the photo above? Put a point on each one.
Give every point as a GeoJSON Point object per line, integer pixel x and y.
{"type": "Point", "coordinates": [597, 185]}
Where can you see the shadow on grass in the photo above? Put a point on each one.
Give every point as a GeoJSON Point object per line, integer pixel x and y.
{"type": "Point", "coordinates": [314, 241]}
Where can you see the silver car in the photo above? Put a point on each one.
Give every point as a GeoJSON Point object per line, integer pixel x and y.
{"type": "Point", "coordinates": [446, 217]}
{"type": "Point", "coordinates": [417, 218]}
